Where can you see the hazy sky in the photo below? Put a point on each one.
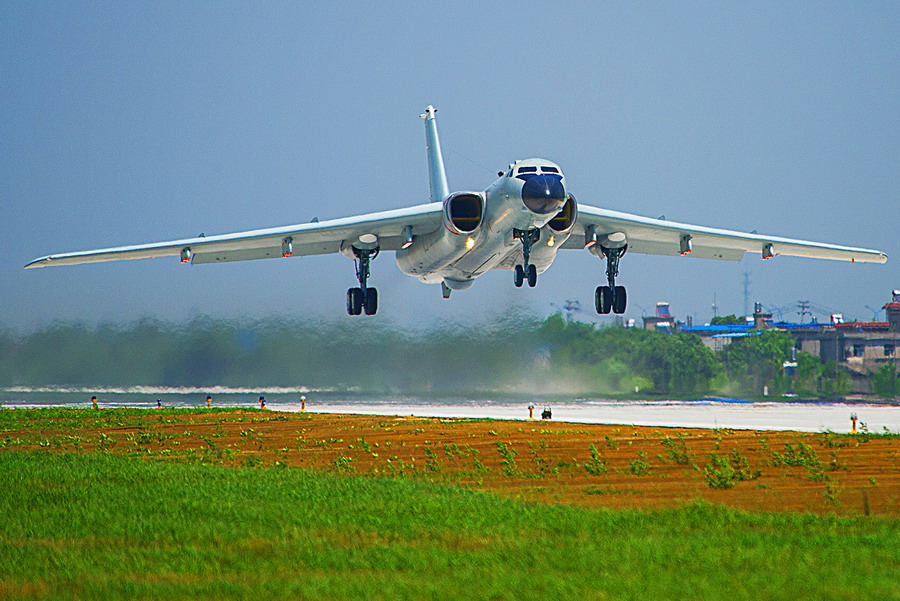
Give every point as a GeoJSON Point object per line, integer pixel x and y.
{"type": "Point", "coordinates": [130, 122]}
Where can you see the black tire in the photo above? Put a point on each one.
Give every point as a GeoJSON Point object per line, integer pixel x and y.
{"type": "Point", "coordinates": [532, 276]}
{"type": "Point", "coordinates": [603, 300]}
{"type": "Point", "coordinates": [354, 301]}
{"type": "Point", "coordinates": [371, 301]}
{"type": "Point", "coordinates": [518, 276]}
{"type": "Point", "coordinates": [621, 300]}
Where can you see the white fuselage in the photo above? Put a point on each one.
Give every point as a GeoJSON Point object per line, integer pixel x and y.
{"type": "Point", "coordinates": [457, 257]}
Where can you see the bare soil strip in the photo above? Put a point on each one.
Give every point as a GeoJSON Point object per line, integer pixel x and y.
{"type": "Point", "coordinates": [588, 465]}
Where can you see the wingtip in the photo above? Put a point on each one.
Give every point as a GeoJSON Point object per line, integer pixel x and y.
{"type": "Point", "coordinates": [42, 262]}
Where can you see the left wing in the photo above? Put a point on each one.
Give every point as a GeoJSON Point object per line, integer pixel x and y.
{"type": "Point", "coordinates": [316, 238]}
{"type": "Point", "coordinates": [661, 237]}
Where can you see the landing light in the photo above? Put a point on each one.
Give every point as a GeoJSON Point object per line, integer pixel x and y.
{"type": "Point", "coordinates": [470, 243]}
{"type": "Point", "coordinates": [551, 241]}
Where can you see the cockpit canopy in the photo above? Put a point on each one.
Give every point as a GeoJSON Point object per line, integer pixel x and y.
{"type": "Point", "coordinates": [525, 169]}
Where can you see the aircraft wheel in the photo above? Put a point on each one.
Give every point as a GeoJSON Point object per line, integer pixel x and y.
{"type": "Point", "coordinates": [621, 300]}
{"type": "Point", "coordinates": [354, 301]}
{"type": "Point", "coordinates": [518, 276]}
{"type": "Point", "coordinates": [603, 300]}
{"type": "Point", "coordinates": [371, 301]}
{"type": "Point", "coordinates": [532, 276]}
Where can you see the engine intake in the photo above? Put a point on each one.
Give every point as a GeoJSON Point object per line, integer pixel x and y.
{"type": "Point", "coordinates": [565, 219]}
{"type": "Point", "coordinates": [463, 212]}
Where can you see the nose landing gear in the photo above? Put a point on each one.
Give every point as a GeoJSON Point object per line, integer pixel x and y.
{"type": "Point", "coordinates": [362, 298]}
{"type": "Point", "coordinates": [611, 298]}
{"type": "Point", "coordinates": [526, 271]}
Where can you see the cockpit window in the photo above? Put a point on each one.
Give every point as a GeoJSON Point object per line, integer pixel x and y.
{"type": "Point", "coordinates": [547, 169]}
{"type": "Point", "coordinates": [509, 173]}
{"type": "Point", "coordinates": [527, 169]}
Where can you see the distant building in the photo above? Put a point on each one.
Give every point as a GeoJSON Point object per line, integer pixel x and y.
{"type": "Point", "coordinates": [893, 312]}
{"type": "Point", "coordinates": [662, 321]}
{"type": "Point", "coordinates": [859, 346]}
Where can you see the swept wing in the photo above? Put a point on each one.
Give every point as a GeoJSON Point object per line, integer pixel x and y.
{"type": "Point", "coordinates": [661, 237]}
{"type": "Point", "coordinates": [316, 238]}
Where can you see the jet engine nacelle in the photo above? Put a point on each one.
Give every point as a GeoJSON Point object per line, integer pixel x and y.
{"type": "Point", "coordinates": [564, 221]}
{"type": "Point", "coordinates": [463, 212]}
{"type": "Point", "coordinates": [462, 217]}
{"type": "Point", "coordinates": [554, 234]}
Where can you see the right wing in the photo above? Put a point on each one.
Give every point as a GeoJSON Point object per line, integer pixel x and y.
{"type": "Point", "coordinates": [662, 237]}
{"type": "Point", "coordinates": [317, 238]}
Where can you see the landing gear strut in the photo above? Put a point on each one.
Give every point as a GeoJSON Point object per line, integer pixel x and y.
{"type": "Point", "coordinates": [362, 298]}
{"type": "Point", "coordinates": [611, 298]}
{"type": "Point", "coordinates": [526, 271]}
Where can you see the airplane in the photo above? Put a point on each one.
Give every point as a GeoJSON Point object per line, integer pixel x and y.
{"type": "Point", "coordinates": [518, 223]}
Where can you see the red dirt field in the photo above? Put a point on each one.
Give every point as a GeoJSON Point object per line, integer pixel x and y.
{"type": "Point", "coordinates": [542, 461]}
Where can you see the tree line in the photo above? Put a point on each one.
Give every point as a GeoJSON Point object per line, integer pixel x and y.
{"type": "Point", "coordinates": [514, 353]}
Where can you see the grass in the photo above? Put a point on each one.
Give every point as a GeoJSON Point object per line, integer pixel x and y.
{"type": "Point", "coordinates": [65, 418]}
{"type": "Point", "coordinates": [105, 526]}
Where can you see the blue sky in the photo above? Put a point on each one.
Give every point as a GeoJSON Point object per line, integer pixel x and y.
{"type": "Point", "coordinates": [138, 122]}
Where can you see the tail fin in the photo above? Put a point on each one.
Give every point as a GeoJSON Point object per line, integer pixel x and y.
{"type": "Point", "coordinates": [437, 177]}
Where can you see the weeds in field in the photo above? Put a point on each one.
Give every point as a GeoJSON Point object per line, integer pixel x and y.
{"type": "Point", "coordinates": [640, 466]}
{"type": "Point", "coordinates": [830, 440]}
{"type": "Point", "coordinates": [800, 455]}
{"type": "Point", "coordinates": [611, 443]}
{"type": "Point", "coordinates": [431, 460]}
{"type": "Point", "coordinates": [676, 449]}
{"type": "Point", "coordinates": [541, 465]}
{"type": "Point", "coordinates": [343, 464]}
{"type": "Point", "coordinates": [247, 461]}
{"type": "Point", "coordinates": [104, 442]}
{"type": "Point", "coordinates": [508, 459]}
{"type": "Point", "coordinates": [595, 465]}
{"type": "Point", "coordinates": [833, 491]}
{"type": "Point", "coordinates": [452, 450]}
{"type": "Point", "coordinates": [398, 467]}
{"type": "Point", "coordinates": [724, 471]}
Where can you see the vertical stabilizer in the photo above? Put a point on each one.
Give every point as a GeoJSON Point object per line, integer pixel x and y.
{"type": "Point", "coordinates": [437, 177]}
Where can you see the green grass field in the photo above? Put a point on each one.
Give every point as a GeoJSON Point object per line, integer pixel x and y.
{"type": "Point", "coordinates": [103, 526]}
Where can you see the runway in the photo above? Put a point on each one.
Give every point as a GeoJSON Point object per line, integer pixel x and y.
{"type": "Point", "coordinates": [707, 413]}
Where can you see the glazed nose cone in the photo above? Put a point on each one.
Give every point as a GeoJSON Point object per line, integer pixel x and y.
{"type": "Point", "coordinates": [544, 193]}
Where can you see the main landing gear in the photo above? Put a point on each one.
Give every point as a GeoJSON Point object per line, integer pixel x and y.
{"type": "Point", "coordinates": [526, 271]}
{"type": "Point", "coordinates": [362, 298]}
{"type": "Point", "coordinates": [611, 298]}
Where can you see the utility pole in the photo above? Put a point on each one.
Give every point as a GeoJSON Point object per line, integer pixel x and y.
{"type": "Point", "coordinates": [746, 293]}
{"type": "Point", "coordinates": [570, 306]}
{"type": "Point", "coordinates": [803, 309]}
